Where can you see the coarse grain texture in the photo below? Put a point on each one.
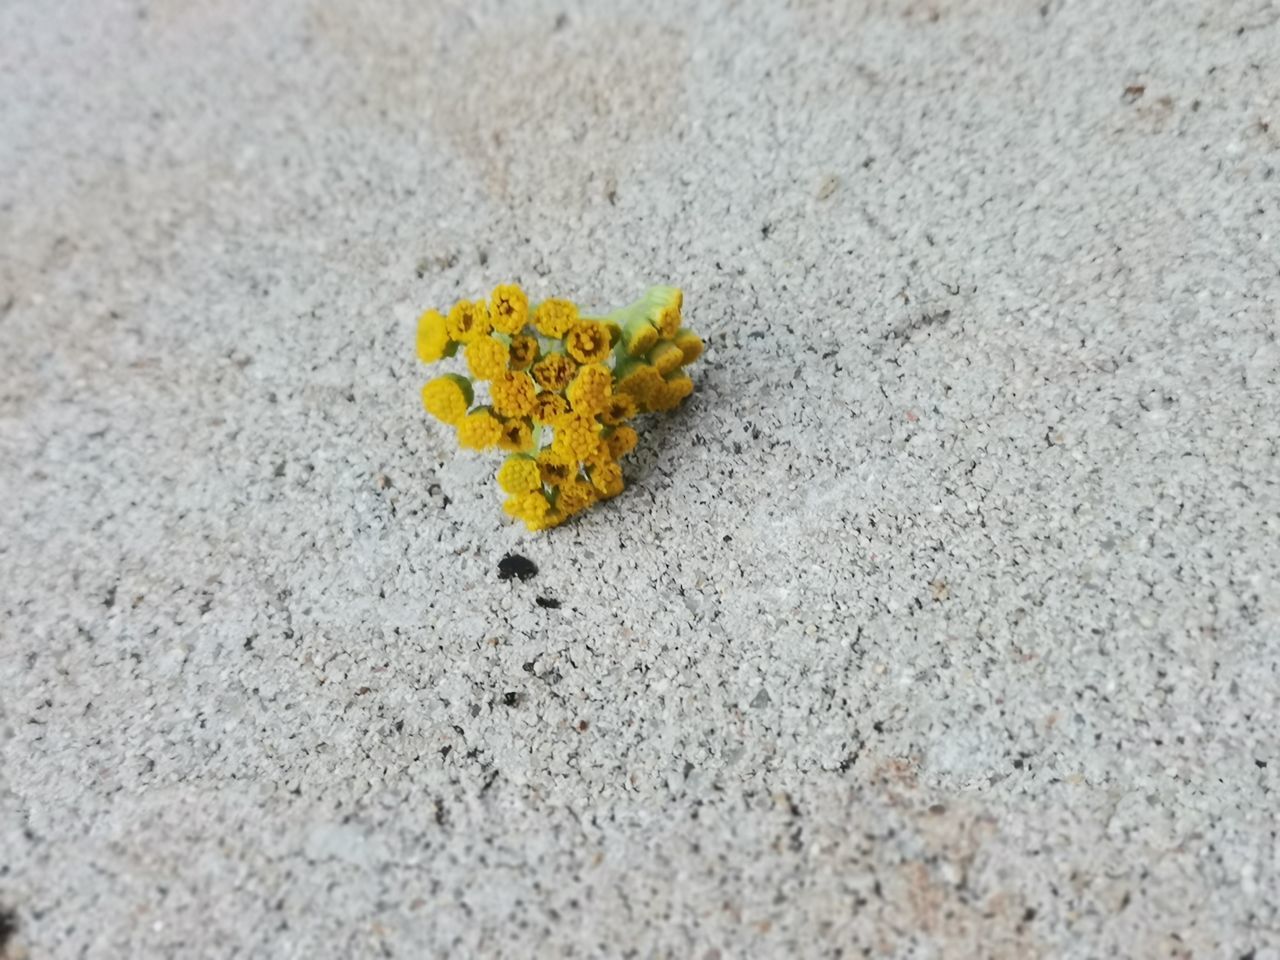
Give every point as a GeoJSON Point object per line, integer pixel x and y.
{"type": "Point", "coordinates": [943, 620]}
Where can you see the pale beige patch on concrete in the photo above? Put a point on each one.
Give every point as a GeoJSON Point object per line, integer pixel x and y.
{"type": "Point", "coordinates": [544, 112]}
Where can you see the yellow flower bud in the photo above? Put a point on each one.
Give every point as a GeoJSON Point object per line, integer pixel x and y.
{"type": "Point", "coordinates": [509, 308]}
{"type": "Point", "coordinates": [447, 398]}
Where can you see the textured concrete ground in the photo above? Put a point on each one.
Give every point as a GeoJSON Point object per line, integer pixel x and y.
{"type": "Point", "coordinates": [942, 622]}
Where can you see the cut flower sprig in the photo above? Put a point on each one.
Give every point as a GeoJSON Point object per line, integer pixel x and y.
{"type": "Point", "coordinates": [556, 389]}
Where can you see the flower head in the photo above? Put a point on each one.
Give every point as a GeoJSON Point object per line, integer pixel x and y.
{"type": "Point", "coordinates": [524, 350]}
{"type": "Point", "coordinates": [433, 338]}
{"type": "Point", "coordinates": [575, 496]}
{"type": "Point", "coordinates": [671, 394]}
{"type": "Point", "coordinates": [479, 430]}
{"type": "Point", "coordinates": [517, 436]}
{"type": "Point", "coordinates": [588, 341]}
{"type": "Point", "coordinates": [665, 304]}
{"type": "Point", "coordinates": [690, 344]}
{"type": "Point", "coordinates": [519, 474]}
{"type": "Point", "coordinates": [606, 477]}
{"type": "Point", "coordinates": [554, 469]}
{"type": "Point", "coordinates": [563, 416]}
{"type": "Point", "coordinates": [577, 437]}
{"type": "Point", "coordinates": [554, 371]}
{"type": "Point", "coordinates": [487, 358]}
{"type": "Point", "coordinates": [552, 518]}
{"type": "Point", "coordinates": [666, 356]}
{"type": "Point", "coordinates": [468, 320]}
{"type": "Point", "coordinates": [639, 380]}
{"type": "Point", "coordinates": [619, 408]}
{"type": "Point", "coordinates": [639, 336]}
{"type": "Point", "coordinates": [532, 508]}
{"type": "Point", "coordinates": [622, 441]}
{"type": "Point", "coordinates": [591, 389]}
{"type": "Point", "coordinates": [509, 308]}
{"type": "Point", "coordinates": [447, 398]}
{"type": "Point", "coordinates": [513, 394]}
{"type": "Point", "coordinates": [668, 320]}
{"type": "Point", "coordinates": [547, 406]}
{"type": "Point", "coordinates": [553, 318]}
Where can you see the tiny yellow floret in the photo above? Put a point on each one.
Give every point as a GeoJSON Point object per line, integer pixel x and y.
{"type": "Point", "coordinates": [622, 441]}
{"type": "Point", "coordinates": [588, 341]}
{"type": "Point", "coordinates": [553, 318]}
{"type": "Point", "coordinates": [433, 338]}
{"type": "Point", "coordinates": [690, 344]}
{"type": "Point", "coordinates": [667, 302]}
{"type": "Point", "coordinates": [554, 371]}
{"type": "Point", "coordinates": [671, 394]}
{"type": "Point", "coordinates": [467, 320]}
{"type": "Point", "coordinates": [479, 430]}
{"type": "Point", "coordinates": [606, 477]}
{"type": "Point", "coordinates": [620, 408]}
{"type": "Point", "coordinates": [668, 321]}
{"type": "Point", "coordinates": [517, 436]}
{"type": "Point", "coordinates": [577, 437]}
{"type": "Point", "coordinates": [554, 469]}
{"type": "Point", "coordinates": [575, 496]}
{"type": "Point", "coordinates": [547, 406]}
{"type": "Point", "coordinates": [640, 380]}
{"type": "Point", "coordinates": [638, 337]}
{"type": "Point", "coordinates": [487, 358]}
{"type": "Point", "coordinates": [666, 357]}
{"type": "Point", "coordinates": [509, 308]}
{"type": "Point", "coordinates": [532, 508]}
{"type": "Point", "coordinates": [523, 351]}
{"type": "Point", "coordinates": [447, 398]}
{"type": "Point", "coordinates": [513, 394]}
{"type": "Point", "coordinates": [519, 474]}
{"type": "Point", "coordinates": [591, 389]}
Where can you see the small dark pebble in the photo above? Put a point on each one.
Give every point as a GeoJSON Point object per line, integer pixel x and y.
{"type": "Point", "coordinates": [1029, 914]}
{"type": "Point", "coordinates": [511, 698]}
{"type": "Point", "coordinates": [514, 565]}
{"type": "Point", "coordinates": [548, 602]}
{"type": "Point", "coordinates": [8, 927]}
{"type": "Point", "coordinates": [1261, 764]}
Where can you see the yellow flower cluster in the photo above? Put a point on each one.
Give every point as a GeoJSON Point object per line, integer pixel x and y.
{"type": "Point", "coordinates": [562, 390]}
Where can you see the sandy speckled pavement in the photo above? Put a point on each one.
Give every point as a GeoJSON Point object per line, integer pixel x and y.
{"type": "Point", "coordinates": [941, 622]}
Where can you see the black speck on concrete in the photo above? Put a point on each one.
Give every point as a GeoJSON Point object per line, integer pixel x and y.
{"type": "Point", "coordinates": [514, 565]}
{"type": "Point", "coordinates": [549, 603]}
{"type": "Point", "coordinates": [8, 928]}
{"type": "Point", "coordinates": [511, 698]}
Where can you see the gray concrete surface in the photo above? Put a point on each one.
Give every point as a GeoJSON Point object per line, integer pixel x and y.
{"type": "Point", "coordinates": [942, 622]}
